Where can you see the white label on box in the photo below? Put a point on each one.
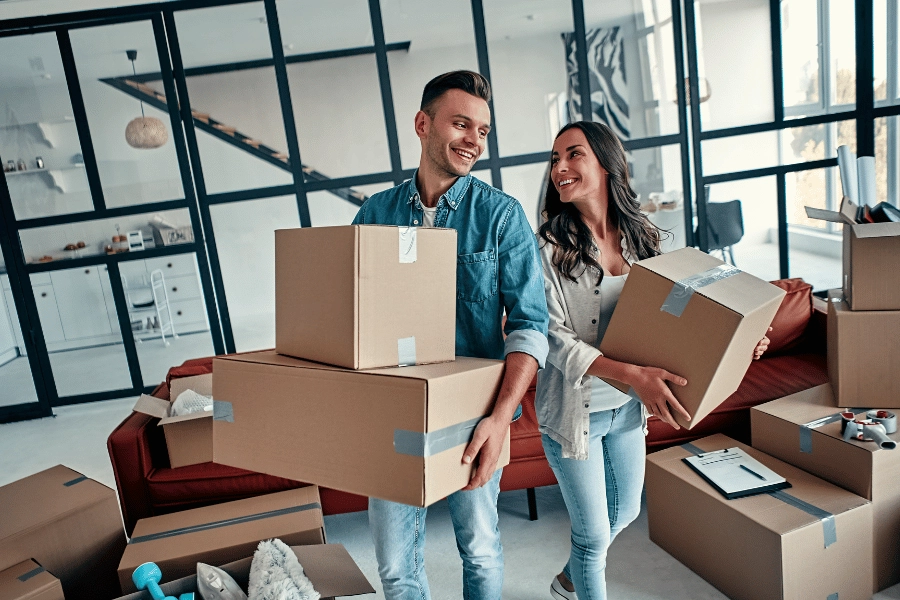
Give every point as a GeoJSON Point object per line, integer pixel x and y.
{"type": "Point", "coordinates": [408, 248]}
{"type": "Point", "coordinates": [406, 351]}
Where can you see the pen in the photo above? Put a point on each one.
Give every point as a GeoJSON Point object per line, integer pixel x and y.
{"type": "Point", "coordinates": [752, 472]}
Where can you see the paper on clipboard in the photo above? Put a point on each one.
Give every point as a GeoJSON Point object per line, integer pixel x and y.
{"type": "Point", "coordinates": [735, 474]}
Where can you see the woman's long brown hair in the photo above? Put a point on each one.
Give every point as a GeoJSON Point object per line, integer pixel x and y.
{"type": "Point", "coordinates": [564, 229]}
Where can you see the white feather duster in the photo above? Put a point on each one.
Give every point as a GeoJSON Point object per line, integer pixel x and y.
{"type": "Point", "coordinates": [276, 574]}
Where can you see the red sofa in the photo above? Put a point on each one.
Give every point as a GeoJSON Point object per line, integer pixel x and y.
{"type": "Point", "coordinates": [147, 486]}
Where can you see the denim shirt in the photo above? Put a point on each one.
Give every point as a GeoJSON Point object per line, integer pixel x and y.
{"type": "Point", "coordinates": [498, 264]}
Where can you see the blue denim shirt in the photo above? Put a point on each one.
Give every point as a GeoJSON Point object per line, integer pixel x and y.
{"type": "Point", "coordinates": [498, 264]}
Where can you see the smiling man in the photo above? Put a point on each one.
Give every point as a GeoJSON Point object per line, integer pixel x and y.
{"type": "Point", "coordinates": [498, 270]}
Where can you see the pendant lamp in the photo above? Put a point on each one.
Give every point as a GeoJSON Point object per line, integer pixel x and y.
{"type": "Point", "coordinates": [144, 132]}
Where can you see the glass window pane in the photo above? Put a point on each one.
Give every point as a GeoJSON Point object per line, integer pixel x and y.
{"type": "Point", "coordinates": [842, 51]}
{"type": "Point", "coordinates": [800, 52]}
{"type": "Point", "coordinates": [337, 101]}
{"type": "Point", "coordinates": [814, 247]}
{"type": "Point", "coordinates": [39, 144]}
{"type": "Point", "coordinates": [237, 110]}
{"type": "Point", "coordinates": [881, 49]}
{"type": "Point", "coordinates": [62, 242]}
{"type": "Point", "coordinates": [527, 184]}
{"type": "Point", "coordinates": [113, 100]}
{"type": "Point", "coordinates": [736, 91]}
{"type": "Point", "coordinates": [81, 330]}
{"type": "Point", "coordinates": [167, 312]}
{"type": "Point", "coordinates": [441, 39]}
{"type": "Point", "coordinates": [657, 179]}
{"type": "Point", "coordinates": [245, 236]}
{"type": "Point", "coordinates": [631, 57]}
{"type": "Point", "coordinates": [886, 159]}
{"type": "Point", "coordinates": [16, 379]}
{"type": "Point", "coordinates": [757, 251]}
{"type": "Point", "coordinates": [528, 72]}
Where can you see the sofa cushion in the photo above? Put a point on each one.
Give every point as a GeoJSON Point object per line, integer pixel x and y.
{"type": "Point", "coordinates": [792, 317]}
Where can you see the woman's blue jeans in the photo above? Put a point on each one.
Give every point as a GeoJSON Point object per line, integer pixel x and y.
{"type": "Point", "coordinates": [602, 493]}
{"type": "Point", "coordinates": [399, 534]}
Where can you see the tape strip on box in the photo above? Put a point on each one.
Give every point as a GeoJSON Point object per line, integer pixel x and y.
{"type": "Point", "coordinates": [225, 523]}
{"type": "Point", "coordinates": [406, 351]}
{"type": "Point", "coordinates": [416, 443]}
{"type": "Point", "coordinates": [829, 529]}
{"type": "Point", "coordinates": [223, 411]}
{"type": "Point", "coordinates": [806, 429]}
{"type": "Point", "coordinates": [75, 481]}
{"type": "Point", "coordinates": [408, 244]}
{"type": "Point", "coordinates": [683, 289]}
{"type": "Point", "coordinates": [32, 573]}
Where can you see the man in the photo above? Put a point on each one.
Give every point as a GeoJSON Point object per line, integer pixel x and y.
{"type": "Point", "coordinates": [498, 268]}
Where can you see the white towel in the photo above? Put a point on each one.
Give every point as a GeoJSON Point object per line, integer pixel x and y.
{"type": "Point", "coordinates": [276, 574]}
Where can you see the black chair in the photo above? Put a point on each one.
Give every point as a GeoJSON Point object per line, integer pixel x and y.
{"type": "Point", "coordinates": [724, 227]}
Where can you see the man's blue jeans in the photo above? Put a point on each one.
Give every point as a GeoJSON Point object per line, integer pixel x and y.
{"type": "Point", "coordinates": [399, 534]}
{"type": "Point", "coordinates": [602, 493]}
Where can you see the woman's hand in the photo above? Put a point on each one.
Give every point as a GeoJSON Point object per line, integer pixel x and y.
{"type": "Point", "coordinates": [761, 347]}
{"type": "Point", "coordinates": [651, 388]}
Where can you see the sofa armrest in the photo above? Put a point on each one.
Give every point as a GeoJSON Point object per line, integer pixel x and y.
{"type": "Point", "coordinates": [131, 453]}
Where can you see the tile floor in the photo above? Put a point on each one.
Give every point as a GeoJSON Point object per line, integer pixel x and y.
{"type": "Point", "coordinates": [534, 551]}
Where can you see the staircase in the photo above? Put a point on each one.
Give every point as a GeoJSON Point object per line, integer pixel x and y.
{"type": "Point", "coordinates": [230, 135]}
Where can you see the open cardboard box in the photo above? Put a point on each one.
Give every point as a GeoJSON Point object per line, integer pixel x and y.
{"type": "Point", "coordinates": [693, 315]}
{"type": "Point", "coordinates": [29, 581]}
{"type": "Point", "coordinates": [329, 567]}
{"type": "Point", "coordinates": [222, 533]}
{"type": "Point", "coordinates": [803, 429]}
{"type": "Point", "coordinates": [871, 258]}
{"type": "Point", "coordinates": [188, 437]}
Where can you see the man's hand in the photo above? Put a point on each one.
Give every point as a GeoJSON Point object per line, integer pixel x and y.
{"type": "Point", "coordinates": [762, 346]}
{"type": "Point", "coordinates": [486, 444]}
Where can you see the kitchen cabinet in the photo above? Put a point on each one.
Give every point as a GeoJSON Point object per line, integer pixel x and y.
{"type": "Point", "coordinates": [12, 314]}
{"type": "Point", "coordinates": [8, 346]}
{"type": "Point", "coordinates": [48, 312]}
{"type": "Point", "coordinates": [81, 302]}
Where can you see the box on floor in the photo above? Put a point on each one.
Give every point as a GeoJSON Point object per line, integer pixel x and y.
{"type": "Point", "coordinates": [329, 568]}
{"type": "Point", "coordinates": [696, 317]}
{"type": "Point", "coordinates": [797, 430]}
{"type": "Point", "coordinates": [871, 258]}
{"type": "Point", "coordinates": [864, 355]}
{"type": "Point", "coordinates": [188, 437]}
{"type": "Point", "coordinates": [221, 533]}
{"type": "Point", "coordinates": [397, 434]}
{"type": "Point", "coordinates": [760, 547]}
{"type": "Point", "coordinates": [366, 296]}
{"type": "Point", "coordinates": [29, 581]}
{"type": "Point", "coordinates": [68, 523]}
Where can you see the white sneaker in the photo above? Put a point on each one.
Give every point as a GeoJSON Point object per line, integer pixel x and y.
{"type": "Point", "coordinates": [558, 592]}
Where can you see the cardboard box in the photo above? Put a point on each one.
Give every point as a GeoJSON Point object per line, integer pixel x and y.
{"type": "Point", "coordinates": [69, 524]}
{"type": "Point", "coordinates": [864, 356]}
{"type": "Point", "coordinates": [29, 581]}
{"type": "Point", "coordinates": [706, 335]}
{"type": "Point", "coordinates": [797, 430]}
{"type": "Point", "coordinates": [188, 437]}
{"type": "Point", "coordinates": [397, 434]}
{"type": "Point", "coordinates": [221, 533]}
{"type": "Point", "coordinates": [761, 547]}
{"type": "Point", "coordinates": [329, 567]}
{"type": "Point", "coordinates": [366, 296]}
{"type": "Point", "coordinates": [871, 259]}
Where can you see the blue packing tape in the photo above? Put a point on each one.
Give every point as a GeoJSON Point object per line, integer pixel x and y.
{"type": "Point", "coordinates": [416, 443]}
{"type": "Point", "coordinates": [32, 573]}
{"type": "Point", "coordinates": [223, 411]}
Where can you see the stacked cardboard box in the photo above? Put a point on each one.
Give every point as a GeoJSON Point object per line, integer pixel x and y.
{"type": "Point", "coordinates": [864, 316]}
{"type": "Point", "coordinates": [360, 301]}
{"type": "Point", "coordinates": [804, 430]}
{"type": "Point", "coordinates": [29, 581]}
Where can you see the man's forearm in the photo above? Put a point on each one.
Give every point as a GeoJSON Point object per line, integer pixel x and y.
{"type": "Point", "coordinates": [520, 370]}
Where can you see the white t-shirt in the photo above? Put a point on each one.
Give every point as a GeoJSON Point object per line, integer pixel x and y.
{"type": "Point", "coordinates": [603, 395]}
{"type": "Point", "coordinates": [428, 216]}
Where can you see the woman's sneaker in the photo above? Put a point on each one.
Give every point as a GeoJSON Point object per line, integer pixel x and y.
{"type": "Point", "coordinates": [558, 592]}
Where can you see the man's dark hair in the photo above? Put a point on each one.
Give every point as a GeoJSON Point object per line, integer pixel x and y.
{"type": "Point", "coordinates": [467, 81]}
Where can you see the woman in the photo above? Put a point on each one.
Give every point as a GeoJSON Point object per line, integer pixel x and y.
{"type": "Point", "coordinates": [593, 434]}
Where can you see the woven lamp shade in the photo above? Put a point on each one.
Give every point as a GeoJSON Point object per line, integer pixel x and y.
{"type": "Point", "coordinates": [146, 132]}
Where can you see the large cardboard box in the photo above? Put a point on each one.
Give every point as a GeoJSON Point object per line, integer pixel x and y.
{"type": "Point", "coordinates": [871, 259]}
{"type": "Point", "coordinates": [864, 356]}
{"type": "Point", "coordinates": [221, 533]}
{"type": "Point", "coordinates": [69, 524]}
{"type": "Point", "coordinates": [29, 581]}
{"type": "Point", "coordinates": [397, 434]}
{"type": "Point", "coordinates": [188, 437]}
{"type": "Point", "coordinates": [695, 316]}
{"type": "Point", "coordinates": [804, 429]}
{"type": "Point", "coordinates": [761, 547]}
{"type": "Point", "coordinates": [366, 296]}
{"type": "Point", "coordinates": [330, 569]}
